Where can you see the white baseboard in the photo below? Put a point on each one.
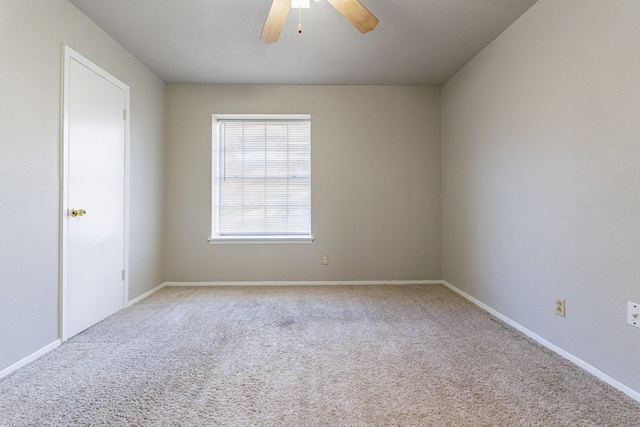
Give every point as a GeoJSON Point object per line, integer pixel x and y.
{"type": "Point", "coordinates": [308, 283]}
{"type": "Point", "coordinates": [146, 294]}
{"type": "Point", "coordinates": [19, 364]}
{"type": "Point", "coordinates": [576, 360]}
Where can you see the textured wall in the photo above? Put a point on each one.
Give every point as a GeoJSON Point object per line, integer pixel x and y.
{"type": "Point", "coordinates": [541, 147]}
{"type": "Point", "coordinates": [375, 184]}
{"type": "Point", "coordinates": [32, 33]}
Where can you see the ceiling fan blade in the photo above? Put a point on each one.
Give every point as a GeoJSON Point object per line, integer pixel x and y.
{"type": "Point", "coordinates": [356, 13]}
{"type": "Point", "coordinates": [275, 20]}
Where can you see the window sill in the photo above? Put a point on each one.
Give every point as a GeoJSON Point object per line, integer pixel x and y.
{"type": "Point", "coordinates": [256, 240]}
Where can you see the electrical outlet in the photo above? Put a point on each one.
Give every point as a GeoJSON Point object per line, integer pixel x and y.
{"type": "Point", "coordinates": [560, 307]}
{"type": "Point", "coordinates": [324, 260]}
{"type": "Point", "coordinates": [633, 314]}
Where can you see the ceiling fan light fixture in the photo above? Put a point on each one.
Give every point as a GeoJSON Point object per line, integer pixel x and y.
{"type": "Point", "coordinates": [353, 10]}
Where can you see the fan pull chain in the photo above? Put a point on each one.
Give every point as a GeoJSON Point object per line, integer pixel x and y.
{"type": "Point", "coordinates": [299, 19]}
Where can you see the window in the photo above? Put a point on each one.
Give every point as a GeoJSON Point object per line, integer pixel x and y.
{"type": "Point", "coordinates": [261, 179]}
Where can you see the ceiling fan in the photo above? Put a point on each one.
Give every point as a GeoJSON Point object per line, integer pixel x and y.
{"type": "Point", "coordinates": [353, 10]}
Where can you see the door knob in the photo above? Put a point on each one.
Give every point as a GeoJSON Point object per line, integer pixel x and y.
{"type": "Point", "coordinates": [78, 212]}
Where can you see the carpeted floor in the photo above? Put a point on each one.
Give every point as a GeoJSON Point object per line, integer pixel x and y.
{"type": "Point", "coordinates": [307, 356]}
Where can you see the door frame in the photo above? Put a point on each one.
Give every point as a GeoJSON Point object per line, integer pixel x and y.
{"type": "Point", "coordinates": [71, 55]}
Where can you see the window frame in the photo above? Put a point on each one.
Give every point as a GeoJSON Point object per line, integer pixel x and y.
{"type": "Point", "coordinates": [214, 237]}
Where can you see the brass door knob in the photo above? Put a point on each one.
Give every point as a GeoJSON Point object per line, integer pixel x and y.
{"type": "Point", "coordinates": [78, 212]}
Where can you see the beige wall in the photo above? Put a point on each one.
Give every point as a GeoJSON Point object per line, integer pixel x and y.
{"type": "Point", "coordinates": [32, 33]}
{"type": "Point", "coordinates": [541, 155]}
{"type": "Point", "coordinates": [375, 184]}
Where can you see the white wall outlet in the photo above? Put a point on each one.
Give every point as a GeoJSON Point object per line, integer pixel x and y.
{"type": "Point", "coordinates": [324, 260]}
{"type": "Point", "coordinates": [560, 308]}
{"type": "Point", "coordinates": [633, 314]}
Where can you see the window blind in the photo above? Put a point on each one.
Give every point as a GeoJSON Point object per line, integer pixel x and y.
{"type": "Point", "coordinates": [263, 178]}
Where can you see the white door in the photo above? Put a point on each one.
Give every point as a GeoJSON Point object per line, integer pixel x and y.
{"type": "Point", "coordinates": [94, 208]}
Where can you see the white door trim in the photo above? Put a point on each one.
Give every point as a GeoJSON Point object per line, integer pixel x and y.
{"type": "Point", "coordinates": [71, 55]}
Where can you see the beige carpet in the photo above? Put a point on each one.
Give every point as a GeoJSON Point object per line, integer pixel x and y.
{"type": "Point", "coordinates": [307, 356]}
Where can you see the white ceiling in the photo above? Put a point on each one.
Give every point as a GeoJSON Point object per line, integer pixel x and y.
{"type": "Point", "coordinates": [420, 42]}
